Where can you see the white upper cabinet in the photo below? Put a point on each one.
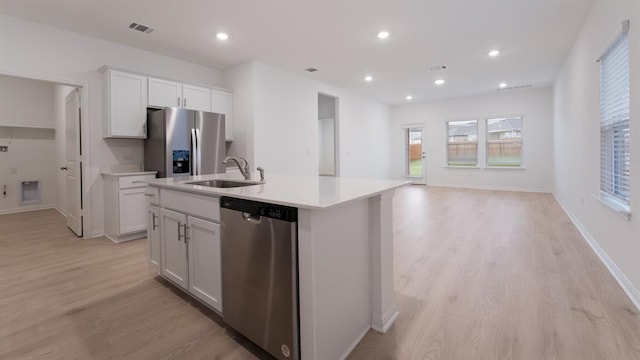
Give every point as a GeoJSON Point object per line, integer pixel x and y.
{"type": "Point", "coordinates": [125, 105]}
{"type": "Point", "coordinates": [222, 103]}
{"type": "Point", "coordinates": [164, 93]}
{"type": "Point", "coordinates": [196, 98]}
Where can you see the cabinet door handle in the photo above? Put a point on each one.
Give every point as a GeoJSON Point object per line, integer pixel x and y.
{"type": "Point", "coordinates": [148, 194]}
{"type": "Point", "coordinates": [153, 221]}
{"type": "Point", "coordinates": [178, 100]}
{"type": "Point", "coordinates": [186, 236]}
{"type": "Point", "coordinates": [184, 102]}
{"type": "Point", "coordinates": [179, 234]}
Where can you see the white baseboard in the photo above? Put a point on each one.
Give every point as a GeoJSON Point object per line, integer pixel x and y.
{"type": "Point", "coordinates": [626, 284]}
{"type": "Point", "coordinates": [355, 343]}
{"type": "Point", "coordinates": [62, 212]}
{"type": "Point", "coordinates": [498, 188]}
{"type": "Point", "coordinates": [95, 234]}
{"type": "Point", "coordinates": [27, 208]}
{"type": "Point", "coordinates": [382, 323]}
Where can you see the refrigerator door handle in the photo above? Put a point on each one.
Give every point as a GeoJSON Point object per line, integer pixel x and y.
{"type": "Point", "coordinates": [199, 151]}
{"type": "Point", "coordinates": [194, 153]}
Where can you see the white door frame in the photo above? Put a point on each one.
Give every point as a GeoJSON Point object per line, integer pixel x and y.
{"type": "Point", "coordinates": [336, 131]}
{"type": "Point", "coordinates": [405, 153]}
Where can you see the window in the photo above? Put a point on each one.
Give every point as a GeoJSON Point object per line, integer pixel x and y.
{"type": "Point", "coordinates": [504, 142]}
{"type": "Point", "coordinates": [462, 143]}
{"type": "Point", "coordinates": [614, 123]}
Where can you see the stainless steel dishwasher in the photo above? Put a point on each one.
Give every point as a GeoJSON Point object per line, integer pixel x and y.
{"type": "Point", "coordinates": [259, 250]}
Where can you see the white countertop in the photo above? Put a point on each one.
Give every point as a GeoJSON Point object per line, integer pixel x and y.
{"type": "Point", "coordinates": [301, 191]}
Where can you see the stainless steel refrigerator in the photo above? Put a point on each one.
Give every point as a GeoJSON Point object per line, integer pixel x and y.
{"type": "Point", "coordinates": [183, 142]}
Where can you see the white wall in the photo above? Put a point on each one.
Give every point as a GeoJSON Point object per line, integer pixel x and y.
{"type": "Point", "coordinates": [240, 79]}
{"type": "Point", "coordinates": [28, 106]}
{"type": "Point", "coordinates": [43, 52]}
{"type": "Point", "coordinates": [286, 127]}
{"type": "Point", "coordinates": [534, 104]}
{"type": "Point", "coordinates": [577, 141]}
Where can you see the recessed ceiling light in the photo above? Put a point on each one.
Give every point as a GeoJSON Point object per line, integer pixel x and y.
{"type": "Point", "coordinates": [503, 85]}
{"type": "Point", "coordinates": [494, 53]}
{"type": "Point", "coordinates": [222, 36]}
{"type": "Point", "coordinates": [383, 34]}
{"type": "Point", "coordinates": [439, 82]}
{"type": "Point", "coordinates": [409, 97]}
{"type": "Point", "coordinates": [368, 78]}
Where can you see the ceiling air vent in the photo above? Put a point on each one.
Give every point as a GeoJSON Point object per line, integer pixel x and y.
{"type": "Point", "coordinates": [310, 69]}
{"type": "Point", "coordinates": [438, 68]}
{"type": "Point", "coordinates": [142, 28]}
{"type": "Point", "coordinates": [514, 87]}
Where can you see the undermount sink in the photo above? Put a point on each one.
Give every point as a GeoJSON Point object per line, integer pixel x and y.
{"type": "Point", "coordinates": [224, 183]}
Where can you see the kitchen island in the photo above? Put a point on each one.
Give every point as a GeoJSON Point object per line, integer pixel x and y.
{"type": "Point", "coordinates": [345, 249]}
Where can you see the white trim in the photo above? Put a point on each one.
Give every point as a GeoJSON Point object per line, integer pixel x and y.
{"type": "Point", "coordinates": [462, 167]}
{"type": "Point", "coordinates": [62, 212]}
{"type": "Point", "coordinates": [355, 343]}
{"type": "Point", "coordinates": [614, 205]}
{"type": "Point", "coordinates": [496, 188]}
{"type": "Point", "coordinates": [382, 323]}
{"type": "Point", "coordinates": [505, 167]}
{"type": "Point", "coordinates": [127, 237]}
{"type": "Point", "coordinates": [94, 234]}
{"type": "Point", "coordinates": [27, 208]}
{"type": "Point", "coordinates": [623, 28]}
{"type": "Point", "coordinates": [632, 292]}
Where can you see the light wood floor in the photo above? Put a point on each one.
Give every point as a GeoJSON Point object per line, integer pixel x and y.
{"type": "Point", "coordinates": [478, 275]}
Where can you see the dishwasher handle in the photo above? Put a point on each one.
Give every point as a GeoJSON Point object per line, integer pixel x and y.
{"type": "Point", "coordinates": [250, 218]}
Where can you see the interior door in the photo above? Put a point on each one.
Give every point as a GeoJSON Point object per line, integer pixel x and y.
{"type": "Point", "coordinates": [414, 154]}
{"type": "Point", "coordinates": [73, 163]}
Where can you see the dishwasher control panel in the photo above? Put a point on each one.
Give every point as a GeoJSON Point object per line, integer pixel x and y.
{"type": "Point", "coordinates": [273, 211]}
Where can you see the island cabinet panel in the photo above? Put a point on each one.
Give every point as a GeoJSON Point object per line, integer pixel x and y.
{"type": "Point", "coordinates": [153, 236]}
{"type": "Point", "coordinates": [204, 261]}
{"type": "Point", "coordinates": [174, 247]}
{"type": "Point", "coordinates": [184, 242]}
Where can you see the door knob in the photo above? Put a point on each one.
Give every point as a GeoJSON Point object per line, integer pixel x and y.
{"type": "Point", "coordinates": [63, 168]}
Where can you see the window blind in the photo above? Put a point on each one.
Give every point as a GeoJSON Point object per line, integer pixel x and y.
{"type": "Point", "coordinates": [614, 120]}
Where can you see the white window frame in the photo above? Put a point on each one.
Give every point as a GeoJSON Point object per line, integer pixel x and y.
{"type": "Point", "coordinates": [486, 137]}
{"type": "Point", "coordinates": [477, 163]}
{"type": "Point", "coordinates": [610, 197]}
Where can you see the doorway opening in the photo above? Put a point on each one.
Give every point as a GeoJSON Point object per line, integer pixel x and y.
{"type": "Point", "coordinates": [414, 168]}
{"type": "Point", "coordinates": [41, 128]}
{"type": "Point", "coordinates": [328, 159]}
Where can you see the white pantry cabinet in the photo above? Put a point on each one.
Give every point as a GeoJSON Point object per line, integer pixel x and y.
{"type": "Point", "coordinates": [166, 93]}
{"type": "Point", "coordinates": [189, 243]}
{"type": "Point", "coordinates": [125, 105]}
{"type": "Point", "coordinates": [125, 213]}
{"type": "Point", "coordinates": [222, 103]}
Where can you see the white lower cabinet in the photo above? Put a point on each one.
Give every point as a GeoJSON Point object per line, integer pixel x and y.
{"type": "Point", "coordinates": [186, 248]}
{"type": "Point", "coordinates": [174, 247]}
{"type": "Point", "coordinates": [153, 237]}
{"type": "Point", "coordinates": [204, 261]}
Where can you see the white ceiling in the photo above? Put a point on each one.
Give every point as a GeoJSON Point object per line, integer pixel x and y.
{"type": "Point", "coordinates": [339, 38]}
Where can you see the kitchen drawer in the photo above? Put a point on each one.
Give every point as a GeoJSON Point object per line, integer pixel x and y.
{"type": "Point", "coordinates": [152, 195]}
{"type": "Point", "coordinates": [127, 182]}
{"type": "Point", "coordinates": [204, 207]}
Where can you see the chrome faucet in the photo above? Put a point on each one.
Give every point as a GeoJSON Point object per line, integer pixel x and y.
{"type": "Point", "coordinates": [244, 169]}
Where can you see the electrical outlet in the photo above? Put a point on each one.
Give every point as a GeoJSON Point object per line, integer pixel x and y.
{"type": "Point", "coordinates": [4, 149]}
